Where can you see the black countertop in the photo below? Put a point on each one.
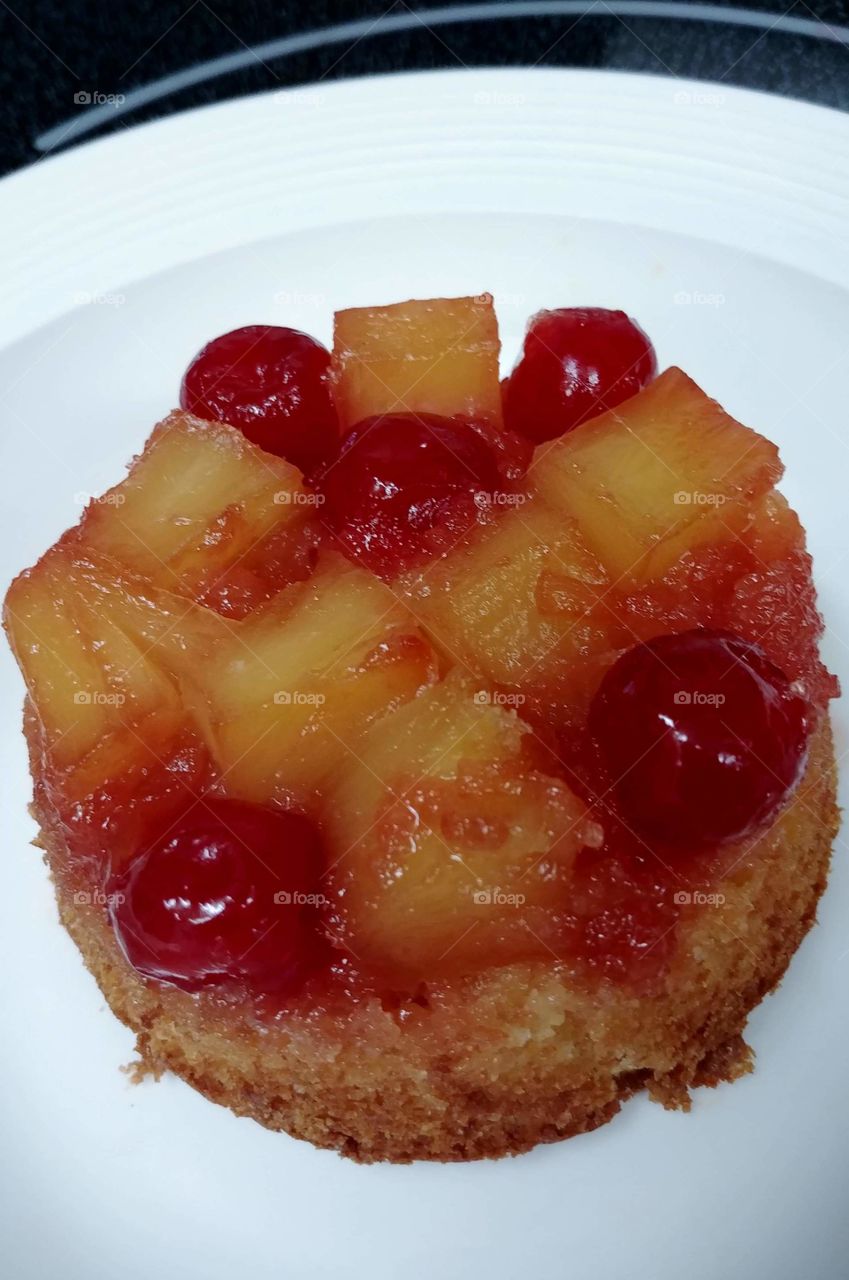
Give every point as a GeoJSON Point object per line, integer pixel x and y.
{"type": "Point", "coordinates": [62, 61]}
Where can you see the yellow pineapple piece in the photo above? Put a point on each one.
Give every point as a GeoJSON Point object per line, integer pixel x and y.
{"type": "Point", "coordinates": [448, 849]}
{"type": "Point", "coordinates": [104, 655]}
{"type": "Point", "coordinates": [92, 642]}
{"type": "Point", "coordinates": [663, 473]}
{"type": "Point", "coordinates": [435, 356]}
{"type": "Point", "coordinates": [775, 531]}
{"type": "Point", "coordinates": [286, 697]}
{"type": "Point", "coordinates": [206, 513]}
{"type": "Point", "coordinates": [522, 603]}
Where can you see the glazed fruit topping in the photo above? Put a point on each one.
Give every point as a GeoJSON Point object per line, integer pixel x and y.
{"type": "Point", "coordinates": [626, 902]}
{"type": "Point", "coordinates": [273, 384]}
{"type": "Point", "coordinates": [576, 362]}
{"type": "Point", "coordinates": [324, 683]}
{"type": "Point", "coordinates": [227, 895]}
{"type": "Point", "coordinates": [406, 485]}
{"type": "Point", "coordinates": [702, 736]}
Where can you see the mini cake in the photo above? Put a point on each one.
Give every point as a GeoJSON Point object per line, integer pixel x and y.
{"type": "Point", "coordinates": [426, 763]}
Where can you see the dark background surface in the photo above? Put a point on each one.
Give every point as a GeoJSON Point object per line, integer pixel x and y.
{"type": "Point", "coordinates": [57, 58]}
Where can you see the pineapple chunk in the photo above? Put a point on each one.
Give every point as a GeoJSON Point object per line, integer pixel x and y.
{"type": "Point", "coordinates": [284, 699]}
{"type": "Point", "coordinates": [207, 514]}
{"type": "Point", "coordinates": [775, 531]}
{"type": "Point", "coordinates": [103, 654]}
{"type": "Point", "coordinates": [138, 777]}
{"type": "Point", "coordinates": [521, 602]}
{"type": "Point", "coordinates": [448, 849]}
{"type": "Point", "coordinates": [773, 603]}
{"type": "Point", "coordinates": [96, 646]}
{"type": "Point", "coordinates": [665, 472]}
{"type": "Point", "coordinates": [436, 356]}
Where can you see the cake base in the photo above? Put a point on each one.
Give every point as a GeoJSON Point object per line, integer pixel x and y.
{"type": "Point", "coordinates": [498, 1063]}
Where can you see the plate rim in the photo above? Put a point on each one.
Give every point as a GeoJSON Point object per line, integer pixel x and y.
{"type": "Point", "coordinates": [116, 209]}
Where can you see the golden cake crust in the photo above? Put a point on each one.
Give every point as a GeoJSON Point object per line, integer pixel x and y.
{"type": "Point", "coordinates": [500, 1062]}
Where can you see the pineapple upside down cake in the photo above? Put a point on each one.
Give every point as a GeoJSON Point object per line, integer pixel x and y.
{"type": "Point", "coordinates": [424, 762]}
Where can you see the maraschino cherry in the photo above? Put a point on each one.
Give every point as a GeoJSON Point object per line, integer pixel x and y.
{"type": "Point", "coordinates": [703, 738]}
{"type": "Point", "coordinates": [406, 484]}
{"type": "Point", "coordinates": [228, 894]}
{"type": "Point", "coordinates": [576, 362]}
{"type": "Point", "coordinates": [273, 384]}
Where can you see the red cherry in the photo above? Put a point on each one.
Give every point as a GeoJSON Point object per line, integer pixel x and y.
{"type": "Point", "coordinates": [228, 894]}
{"type": "Point", "coordinates": [702, 736]}
{"type": "Point", "coordinates": [576, 363]}
{"type": "Point", "coordinates": [406, 486]}
{"type": "Point", "coordinates": [272, 384]}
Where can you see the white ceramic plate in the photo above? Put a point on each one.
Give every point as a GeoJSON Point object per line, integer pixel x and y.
{"type": "Point", "coordinates": [718, 217]}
